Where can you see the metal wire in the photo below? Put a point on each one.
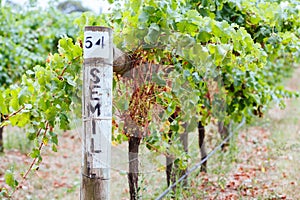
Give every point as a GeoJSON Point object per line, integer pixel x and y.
{"type": "Point", "coordinates": [198, 165]}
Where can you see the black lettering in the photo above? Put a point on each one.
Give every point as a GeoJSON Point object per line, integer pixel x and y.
{"type": "Point", "coordinates": [92, 145]}
{"type": "Point", "coordinates": [88, 43]}
{"type": "Point", "coordinates": [94, 126]}
{"type": "Point", "coordinates": [95, 93]}
{"type": "Point", "coordinates": [93, 109]}
{"type": "Point", "coordinates": [93, 73]}
{"type": "Point", "coordinates": [102, 42]}
{"type": "Point", "coordinates": [98, 42]}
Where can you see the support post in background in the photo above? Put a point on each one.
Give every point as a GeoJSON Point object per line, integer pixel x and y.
{"type": "Point", "coordinates": [97, 113]}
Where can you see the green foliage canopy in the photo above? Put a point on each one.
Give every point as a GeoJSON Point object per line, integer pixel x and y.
{"type": "Point", "coordinates": [227, 57]}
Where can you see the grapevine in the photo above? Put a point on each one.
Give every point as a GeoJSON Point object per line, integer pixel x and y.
{"type": "Point", "coordinates": [226, 59]}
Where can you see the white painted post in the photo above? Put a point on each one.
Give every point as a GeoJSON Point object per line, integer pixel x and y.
{"type": "Point", "coordinates": [97, 113]}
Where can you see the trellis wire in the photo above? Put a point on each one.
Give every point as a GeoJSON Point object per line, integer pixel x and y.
{"type": "Point", "coordinates": [200, 163]}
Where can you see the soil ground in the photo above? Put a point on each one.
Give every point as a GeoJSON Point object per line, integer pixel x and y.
{"type": "Point", "coordinates": [262, 164]}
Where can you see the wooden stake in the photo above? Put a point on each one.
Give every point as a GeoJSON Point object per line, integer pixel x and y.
{"type": "Point", "coordinates": [97, 113]}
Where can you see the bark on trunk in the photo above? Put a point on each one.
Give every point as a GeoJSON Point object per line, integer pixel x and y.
{"type": "Point", "coordinates": [169, 166]}
{"type": "Point", "coordinates": [201, 132]}
{"type": "Point", "coordinates": [172, 170]}
{"type": "Point", "coordinates": [134, 143]}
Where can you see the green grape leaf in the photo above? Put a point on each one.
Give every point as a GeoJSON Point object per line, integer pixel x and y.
{"type": "Point", "coordinates": [10, 180]}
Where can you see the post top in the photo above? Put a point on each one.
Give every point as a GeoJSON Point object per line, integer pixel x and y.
{"type": "Point", "coordinates": [97, 28]}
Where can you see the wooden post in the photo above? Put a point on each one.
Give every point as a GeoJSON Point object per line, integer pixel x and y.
{"type": "Point", "coordinates": [97, 113]}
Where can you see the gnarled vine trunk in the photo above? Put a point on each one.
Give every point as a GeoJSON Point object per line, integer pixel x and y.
{"type": "Point", "coordinates": [201, 132]}
{"type": "Point", "coordinates": [172, 170]}
{"type": "Point", "coordinates": [133, 151]}
{"type": "Point", "coordinates": [133, 131]}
